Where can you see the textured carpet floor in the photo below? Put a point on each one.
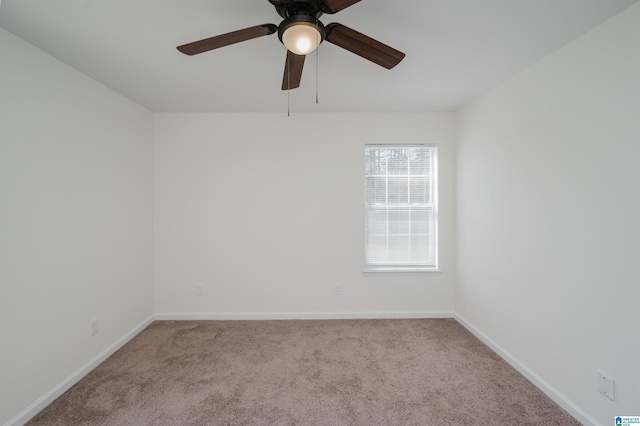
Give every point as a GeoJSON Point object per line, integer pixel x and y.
{"type": "Point", "coordinates": [336, 372]}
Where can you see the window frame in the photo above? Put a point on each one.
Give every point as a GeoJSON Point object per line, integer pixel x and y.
{"type": "Point", "coordinates": [407, 269]}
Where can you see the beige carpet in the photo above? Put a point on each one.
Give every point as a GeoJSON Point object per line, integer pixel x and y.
{"type": "Point", "coordinates": [335, 372]}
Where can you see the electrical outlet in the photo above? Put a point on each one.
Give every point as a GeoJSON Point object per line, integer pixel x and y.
{"type": "Point", "coordinates": [338, 291]}
{"type": "Point", "coordinates": [200, 290]}
{"type": "Point", "coordinates": [605, 385]}
{"type": "Point", "coordinates": [94, 327]}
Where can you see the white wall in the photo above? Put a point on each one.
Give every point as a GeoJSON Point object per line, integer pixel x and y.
{"type": "Point", "coordinates": [266, 211]}
{"type": "Point", "coordinates": [547, 208]}
{"type": "Point", "coordinates": [76, 221]}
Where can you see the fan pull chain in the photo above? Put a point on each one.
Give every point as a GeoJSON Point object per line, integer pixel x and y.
{"type": "Point", "coordinates": [317, 59]}
{"type": "Point", "coordinates": [288, 87]}
{"type": "Point", "coordinates": [317, 56]}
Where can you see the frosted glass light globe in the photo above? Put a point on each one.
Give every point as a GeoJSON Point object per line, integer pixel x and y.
{"type": "Point", "coordinates": [301, 38]}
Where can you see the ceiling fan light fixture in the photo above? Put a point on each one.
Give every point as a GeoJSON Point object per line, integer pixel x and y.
{"type": "Point", "coordinates": [301, 33]}
{"type": "Point", "coordinates": [301, 38]}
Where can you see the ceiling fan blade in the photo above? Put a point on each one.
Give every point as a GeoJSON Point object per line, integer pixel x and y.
{"type": "Point", "coordinates": [363, 45]}
{"type": "Point", "coordinates": [333, 6]}
{"type": "Point", "coordinates": [292, 71]}
{"type": "Point", "coordinates": [227, 39]}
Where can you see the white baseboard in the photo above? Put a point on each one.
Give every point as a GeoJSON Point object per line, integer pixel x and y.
{"type": "Point", "coordinates": [301, 315]}
{"type": "Point", "coordinates": [74, 378]}
{"type": "Point", "coordinates": [545, 387]}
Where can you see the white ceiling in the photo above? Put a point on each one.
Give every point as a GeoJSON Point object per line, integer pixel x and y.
{"type": "Point", "coordinates": [456, 50]}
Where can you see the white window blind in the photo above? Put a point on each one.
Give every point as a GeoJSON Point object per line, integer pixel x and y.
{"type": "Point", "coordinates": [400, 207]}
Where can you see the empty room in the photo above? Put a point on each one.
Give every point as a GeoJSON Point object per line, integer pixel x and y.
{"type": "Point", "coordinates": [319, 212]}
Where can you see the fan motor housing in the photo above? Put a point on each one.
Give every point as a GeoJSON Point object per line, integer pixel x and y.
{"type": "Point", "coordinates": [300, 7]}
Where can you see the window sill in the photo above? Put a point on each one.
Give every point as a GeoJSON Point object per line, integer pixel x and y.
{"type": "Point", "coordinates": [373, 271]}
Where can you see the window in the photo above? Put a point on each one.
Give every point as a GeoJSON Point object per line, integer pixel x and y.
{"type": "Point", "coordinates": [400, 208]}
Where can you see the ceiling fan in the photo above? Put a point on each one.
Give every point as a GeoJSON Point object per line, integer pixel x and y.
{"type": "Point", "coordinates": [301, 32]}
